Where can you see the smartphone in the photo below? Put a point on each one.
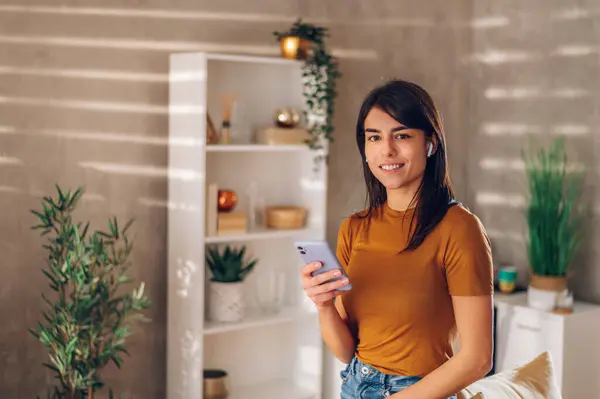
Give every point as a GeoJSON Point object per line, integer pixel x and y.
{"type": "Point", "coordinates": [319, 251]}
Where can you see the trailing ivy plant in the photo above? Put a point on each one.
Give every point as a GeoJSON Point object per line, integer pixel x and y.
{"type": "Point", "coordinates": [320, 75]}
{"type": "Point", "coordinates": [87, 319]}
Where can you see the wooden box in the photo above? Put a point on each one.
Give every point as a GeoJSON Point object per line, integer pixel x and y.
{"type": "Point", "coordinates": [282, 136]}
{"type": "Point", "coordinates": [234, 222]}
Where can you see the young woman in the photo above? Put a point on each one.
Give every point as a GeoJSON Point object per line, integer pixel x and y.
{"type": "Point", "coordinates": [420, 263]}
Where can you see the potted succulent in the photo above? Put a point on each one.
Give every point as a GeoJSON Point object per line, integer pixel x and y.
{"type": "Point", "coordinates": [554, 221]}
{"type": "Point", "coordinates": [320, 72]}
{"type": "Point", "coordinates": [88, 318]}
{"type": "Point", "coordinates": [229, 268]}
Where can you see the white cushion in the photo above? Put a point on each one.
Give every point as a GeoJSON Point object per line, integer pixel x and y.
{"type": "Point", "coordinates": [534, 380]}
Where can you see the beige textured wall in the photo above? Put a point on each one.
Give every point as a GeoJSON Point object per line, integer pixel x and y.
{"type": "Point", "coordinates": [535, 75]}
{"type": "Point", "coordinates": [425, 42]}
{"type": "Point", "coordinates": [83, 93]}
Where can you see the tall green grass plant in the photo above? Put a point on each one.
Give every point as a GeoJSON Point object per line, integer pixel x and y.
{"type": "Point", "coordinates": [554, 216]}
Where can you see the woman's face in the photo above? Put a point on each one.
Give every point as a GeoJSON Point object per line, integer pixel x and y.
{"type": "Point", "coordinates": [395, 154]}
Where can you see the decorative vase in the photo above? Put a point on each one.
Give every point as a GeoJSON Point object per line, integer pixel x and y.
{"type": "Point", "coordinates": [227, 200]}
{"type": "Point", "coordinates": [543, 291]}
{"type": "Point", "coordinates": [270, 291]}
{"type": "Point", "coordinates": [226, 301]}
{"type": "Point", "coordinates": [214, 385]}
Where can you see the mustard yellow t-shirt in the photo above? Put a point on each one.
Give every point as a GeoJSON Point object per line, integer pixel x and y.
{"type": "Point", "coordinates": [401, 304]}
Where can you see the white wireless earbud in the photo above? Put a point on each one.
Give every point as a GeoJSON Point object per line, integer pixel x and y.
{"type": "Point", "coordinates": [430, 150]}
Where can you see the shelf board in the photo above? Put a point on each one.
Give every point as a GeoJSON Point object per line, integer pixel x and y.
{"type": "Point", "coordinates": [275, 389]}
{"type": "Point", "coordinates": [276, 60]}
{"type": "Point", "coordinates": [253, 320]}
{"type": "Point", "coordinates": [259, 234]}
{"type": "Point", "coordinates": [255, 148]}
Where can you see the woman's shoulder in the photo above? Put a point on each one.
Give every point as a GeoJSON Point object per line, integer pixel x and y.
{"type": "Point", "coordinates": [354, 219]}
{"type": "Point", "coordinates": [461, 220]}
{"type": "Point", "coordinates": [358, 219]}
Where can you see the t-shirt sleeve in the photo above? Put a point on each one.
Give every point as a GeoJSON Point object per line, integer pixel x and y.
{"type": "Point", "coordinates": [468, 259]}
{"type": "Point", "coordinates": [344, 243]}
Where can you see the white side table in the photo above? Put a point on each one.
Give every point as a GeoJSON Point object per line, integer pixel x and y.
{"type": "Point", "coordinates": [572, 340]}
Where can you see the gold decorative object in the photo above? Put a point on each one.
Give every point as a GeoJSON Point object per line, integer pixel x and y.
{"type": "Point", "coordinates": [287, 117]}
{"type": "Point", "coordinates": [289, 47]}
{"type": "Point", "coordinates": [296, 48]}
{"type": "Point", "coordinates": [227, 200]}
{"type": "Point", "coordinates": [286, 217]}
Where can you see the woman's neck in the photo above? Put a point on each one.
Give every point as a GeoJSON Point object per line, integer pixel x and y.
{"type": "Point", "coordinates": [399, 199]}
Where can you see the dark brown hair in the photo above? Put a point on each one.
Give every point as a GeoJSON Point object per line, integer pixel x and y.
{"type": "Point", "coordinates": [412, 106]}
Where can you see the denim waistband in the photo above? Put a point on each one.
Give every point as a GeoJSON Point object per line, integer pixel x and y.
{"type": "Point", "coordinates": [369, 373]}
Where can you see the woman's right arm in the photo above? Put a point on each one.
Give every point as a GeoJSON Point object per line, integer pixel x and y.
{"type": "Point", "coordinates": [332, 318]}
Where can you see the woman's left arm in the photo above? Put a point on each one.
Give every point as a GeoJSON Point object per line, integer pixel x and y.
{"type": "Point", "coordinates": [473, 361]}
{"type": "Point", "coordinates": [467, 258]}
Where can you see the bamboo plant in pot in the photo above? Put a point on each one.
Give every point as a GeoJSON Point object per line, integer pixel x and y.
{"type": "Point", "coordinates": [229, 268]}
{"type": "Point", "coordinates": [554, 221]}
{"type": "Point", "coordinates": [89, 311]}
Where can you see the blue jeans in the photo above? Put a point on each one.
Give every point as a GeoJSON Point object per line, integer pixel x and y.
{"type": "Point", "coordinates": [361, 381]}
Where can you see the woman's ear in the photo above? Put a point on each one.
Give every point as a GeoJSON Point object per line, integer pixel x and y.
{"type": "Point", "coordinates": [431, 146]}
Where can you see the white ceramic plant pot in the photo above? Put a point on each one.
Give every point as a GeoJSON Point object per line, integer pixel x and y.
{"type": "Point", "coordinates": [541, 299]}
{"type": "Point", "coordinates": [226, 301]}
{"type": "Point", "coordinates": [543, 292]}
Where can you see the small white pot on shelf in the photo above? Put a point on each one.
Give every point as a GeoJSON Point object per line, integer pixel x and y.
{"type": "Point", "coordinates": [226, 301]}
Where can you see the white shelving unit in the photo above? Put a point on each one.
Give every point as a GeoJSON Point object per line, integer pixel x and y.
{"type": "Point", "coordinates": [266, 356]}
{"type": "Point", "coordinates": [257, 320]}
{"type": "Point", "coordinates": [255, 148]}
{"type": "Point", "coordinates": [256, 235]}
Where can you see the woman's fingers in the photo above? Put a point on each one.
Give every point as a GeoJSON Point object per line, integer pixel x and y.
{"type": "Point", "coordinates": [308, 280]}
{"type": "Point", "coordinates": [308, 283]}
{"type": "Point", "coordinates": [326, 297]}
{"type": "Point", "coordinates": [323, 277]}
{"type": "Point", "coordinates": [309, 268]}
{"type": "Point", "coordinates": [327, 287]}
{"type": "Point", "coordinates": [319, 288]}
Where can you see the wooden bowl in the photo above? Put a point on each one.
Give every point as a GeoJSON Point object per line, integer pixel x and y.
{"type": "Point", "coordinates": [286, 217]}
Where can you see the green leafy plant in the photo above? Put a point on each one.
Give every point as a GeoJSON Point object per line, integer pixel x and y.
{"type": "Point", "coordinates": [554, 217]}
{"type": "Point", "coordinates": [230, 265]}
{"type": "Point", "coordinates": [320, 73]}
{"type": "Point", "coordinates": [303, 30]}
{"type": "Point", "coordinates": [87, 320]}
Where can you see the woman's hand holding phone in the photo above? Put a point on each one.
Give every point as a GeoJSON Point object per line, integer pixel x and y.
{"type": "Point", "coordinates": [317, 287]}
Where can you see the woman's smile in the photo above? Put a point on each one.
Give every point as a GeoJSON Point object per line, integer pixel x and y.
{"type": "Point", "coordinates": [390, 168]}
